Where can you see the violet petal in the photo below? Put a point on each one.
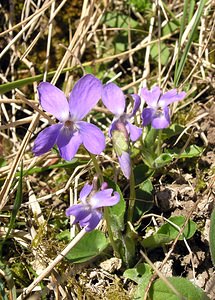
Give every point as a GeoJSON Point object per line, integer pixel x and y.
{"type": "Point", "coordinates": [134, 131]}
{"type": "Point", "coordinates": [170, 97]}
{"type": "Point", "coordinates": [147, 115]}
{"type": "Point", "coordinates": [85, 192]}
{"type": "Point", "coordinates": [137, 101]}
{"type": "Point", "coordinates": [112, 126]}
{"type": "Point", "coordinates": [151, 96]}
{"type": "Point", "coordinates": [104, 186]}
{"type": "Point", "coordinates": [92, 137]}
{"type": "Point", "coordinates": [79, 211]}
{"type": "Point", "coordinates": [113, 98]}
{"type": "Point", "coordinates": [84, 96]}
{"type": "Point", "coordinates": [46, 139]}
{"type": "Point", "coordinates": [162, 120]}
{"type": "Point", "coordinates": [53, 101]}
{"type": "Point", "coordinates": [91, 221]}
{"type": "Point", "coordinates": [104, 198]}
{"type": "Point", "coordinates": [68, 143]}
{"type": "Point", "coordinates": [125, 164]}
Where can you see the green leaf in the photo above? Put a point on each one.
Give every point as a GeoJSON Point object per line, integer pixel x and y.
{"type": "Point", "coordinates": [70, 165]}
{"type": "Point", "coordinates": [149, 136]}
{"type": "Point", "coordinates": [4, 88]}
{"type": "Point", "coordinates": [164, 53]}
{"type": "Point", "coordinates": [160, 291]}
{"type": "Point", "coordinates": [141, 274]}
{"type": "Point", "coordinates": [155, 240]}
{"type": "Point", "coordinates": [136, 273]}
{"type": "Point", "coordinates": [172, 130]}
{"type": "Point", "coordinates": [149, 146]}
{"type": "Point", "coordinates": [3, 162]}
{"type": "Point", "coordinates": [163, 160]}
{"type": "Point", "coordinates": [64, 235]}
{"type": "Point", "coordinates": [148, 156]}
{"type": "Point", "coordinates": [170, 27]}
{"type": "Point", "coordinates": [90, 246]}
{"type": "Point", "coordinates": [120, 47]}
{"type": "Point", "coordinates": [144, 198]}
{"type": "Point", "coordinates": [147, 187]}
{"type": "Point", "coordinates": [126, 246]}
{"type": "Point", "coordinates": [62, 165]}
{"type": "Point", "coordinates": [212, 237]}
{"type": "Point", "coordinates": [191, 9]}
{"type": "Point", "coordinates": [167, 232]}
{"type": "Point", "coordinates": [119, 20]}
{"type": "Point", "coordinates": [142, 173]}
{"type": "Point", "coordinates": [17, 203]}
{"type": "Point", "coordinates": [172, 232]}
{"type": "Point", "coordinates": [120, 143]}
{"type": "Point", "coordinates": [189, 152]}
{"type": "Point", "coordinates": [141, 5]}
{"type": "Point", "coordinates": [116, 212]}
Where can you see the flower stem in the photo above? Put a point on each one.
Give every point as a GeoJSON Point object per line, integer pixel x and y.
{"type": "Point", "coordinates": [106, 212]}
{"type": "Point", "coordinates": [132, 199]}
{"type": "Point", "coordinates": [159, 142]}
{"type": "Point", "coordinates": [97, 168]}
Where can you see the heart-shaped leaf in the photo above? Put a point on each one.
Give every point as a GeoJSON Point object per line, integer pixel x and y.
{"type": "Point", "coordinates": [91, 245]}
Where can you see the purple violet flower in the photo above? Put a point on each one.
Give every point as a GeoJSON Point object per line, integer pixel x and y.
{"type": "Point", "coordinates": [121, 129]}
{"type": "Point", "coordinates": [114, 99]}
{"type": "Point", "coordinates": [89, 212]}
{"type": "Point", "coordinates": [71, 132]}
{"type": "Point", "coordinates": [157, 112]}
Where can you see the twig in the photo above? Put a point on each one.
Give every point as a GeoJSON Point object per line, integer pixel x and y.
{"type": "Point", "coordinates": [162, 277]}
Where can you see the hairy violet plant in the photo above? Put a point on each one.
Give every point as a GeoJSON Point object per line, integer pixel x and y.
{"type": "Point", "coordinates": [120, 153]}
{"type": "Point", "coordinates": [71, 132]}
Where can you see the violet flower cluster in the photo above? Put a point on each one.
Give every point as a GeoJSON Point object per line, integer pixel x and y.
{"type": "Point", "coordinates": [89, 212]}
{"type": "Point", "coordinates": [72, 131]}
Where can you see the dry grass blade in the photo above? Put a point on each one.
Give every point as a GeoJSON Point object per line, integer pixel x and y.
{"type": "Point", "coordinates": [52, 265]}
{"type": "Point", "coordinates": [35, 18]}
{"type": "Point", "coordinates": [16, 162]}
{"type": "Point", "coordinates": [165, 280]}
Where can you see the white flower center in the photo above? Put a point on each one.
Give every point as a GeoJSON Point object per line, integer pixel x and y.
{"type": "Point", "coordinates": [159, 111]}
{"type": "Point", "coordinates": [69, 127]}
